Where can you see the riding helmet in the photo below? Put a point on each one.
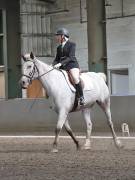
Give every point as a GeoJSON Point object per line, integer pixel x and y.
{"type": "Point", "coordinates": [62, 31]}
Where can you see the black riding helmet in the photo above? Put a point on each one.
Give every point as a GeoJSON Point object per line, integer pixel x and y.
{"type": "Point", "coordinates": [62, 31]}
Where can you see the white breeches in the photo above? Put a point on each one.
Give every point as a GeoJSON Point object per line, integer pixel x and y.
{"type": "Point", "coordinates": [75, 73]}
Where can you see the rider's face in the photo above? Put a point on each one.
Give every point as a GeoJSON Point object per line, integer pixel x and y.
{"type": "Point", "coordinates": [59, 38]}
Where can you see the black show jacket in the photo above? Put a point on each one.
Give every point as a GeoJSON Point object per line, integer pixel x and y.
{"type": "Point", "coordinates": [66, 56]}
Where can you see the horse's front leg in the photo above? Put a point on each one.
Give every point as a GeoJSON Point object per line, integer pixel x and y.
{"type": "Point", "coordinates": [86, 115]}
{"type": "Point", "coordinates": [70, 132]}
{"type": "Point", "coordinates": [61, 120]}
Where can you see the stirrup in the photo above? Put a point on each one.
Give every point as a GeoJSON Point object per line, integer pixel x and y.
{"type": "Point", "coordinates": [81, 101]}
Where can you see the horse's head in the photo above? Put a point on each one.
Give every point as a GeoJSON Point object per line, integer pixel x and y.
{"type": "Point", "coordinates": [29, 70]}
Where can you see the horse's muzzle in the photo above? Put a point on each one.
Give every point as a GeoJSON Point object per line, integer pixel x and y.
{"type": "Point", "coordinates": [23, 87]}
{"type": "Point", "coordinates": [22, 84]}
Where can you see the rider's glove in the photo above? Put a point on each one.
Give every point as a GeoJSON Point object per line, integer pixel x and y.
{"type": "Point", "coordinates": [57, 65]}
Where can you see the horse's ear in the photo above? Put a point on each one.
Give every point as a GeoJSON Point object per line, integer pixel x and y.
{"type": "Point", "coordinates": [31, 55]}
{"type": "Point", "coordinates": [23, 57]}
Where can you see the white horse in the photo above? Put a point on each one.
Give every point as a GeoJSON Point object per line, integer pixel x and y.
{"type": "Point", "coordinates": [56, 85]}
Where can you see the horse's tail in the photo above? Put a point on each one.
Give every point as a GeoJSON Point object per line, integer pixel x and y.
{"type": "Point", "coordinates": [103, 76]}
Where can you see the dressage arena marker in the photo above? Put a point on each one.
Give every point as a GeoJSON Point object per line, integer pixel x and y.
{"type": "Point", "coordinates": [125, 129]}
{"type": "Point", "coordinates": [66, 137]}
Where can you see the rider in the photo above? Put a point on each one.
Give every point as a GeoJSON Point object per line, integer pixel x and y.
{"type": "Point", "coordinates": [65, 59]}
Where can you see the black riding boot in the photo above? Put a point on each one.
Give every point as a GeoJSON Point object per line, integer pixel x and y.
{"type": "Point", "coordinates": [79, 92]}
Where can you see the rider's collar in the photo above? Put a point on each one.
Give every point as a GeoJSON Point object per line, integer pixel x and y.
{"type": "Point", "coordinates": [63, 43]}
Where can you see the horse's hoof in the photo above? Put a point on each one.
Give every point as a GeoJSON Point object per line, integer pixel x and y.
{"type": "Point", "coordinates": [86, 147]}
{"type": "Point", "coordinates": [78, 147]}
{"type": "Point", "coordinates": [118, 144]}
{"type": "Point", "coordinates": [54, 150]}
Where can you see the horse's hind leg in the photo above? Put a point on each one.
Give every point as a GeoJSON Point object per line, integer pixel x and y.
{"type": "Point", "coordinates": [70, 132]}
{"type": "Point", "coordinates": [106, 107]}
{"type": "Point", "coordinates": [86, 114]}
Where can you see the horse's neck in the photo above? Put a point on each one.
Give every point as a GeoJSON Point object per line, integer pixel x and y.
{"type": "Point", "coordinates": [43, 67]}
{"type": "Point", "coordinates": [49, 79]}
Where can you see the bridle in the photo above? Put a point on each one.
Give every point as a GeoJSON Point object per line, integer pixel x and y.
{"type": "Point", "coordinates": [31, 74]}
{"type": "Point", "coordinates": [35, 69]}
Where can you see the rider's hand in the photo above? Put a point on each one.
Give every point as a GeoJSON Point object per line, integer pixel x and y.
{"type": "Point", "coordinates": [57, 65]}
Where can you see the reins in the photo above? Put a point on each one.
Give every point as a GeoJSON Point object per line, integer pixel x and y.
{"type": "Point", "coordinates": [58, 70]}
{"type": "Point", "coordinates": [32, 74]}
{"type": "Point", "coordinates": [46, 73]}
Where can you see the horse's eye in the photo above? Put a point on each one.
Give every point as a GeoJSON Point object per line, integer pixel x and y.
{"type": "Point", "coordinates": [29, 67]}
